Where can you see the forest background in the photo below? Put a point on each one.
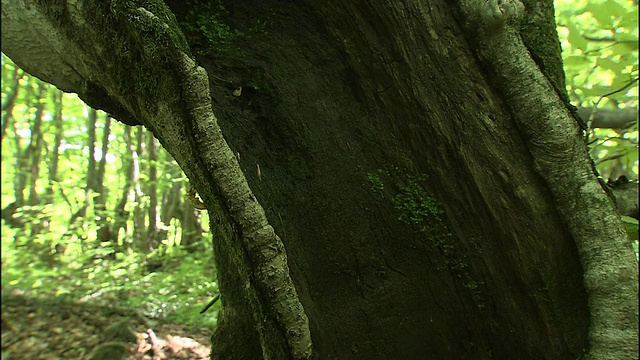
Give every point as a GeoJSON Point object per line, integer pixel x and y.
{"type": "Point", "coordinates": [94, 210]}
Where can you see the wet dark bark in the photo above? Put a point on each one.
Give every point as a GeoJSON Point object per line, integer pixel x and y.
{"type": "Point", "coordinates": [341, 131]}
{"type": "Point", "coordinates": [365, 122]}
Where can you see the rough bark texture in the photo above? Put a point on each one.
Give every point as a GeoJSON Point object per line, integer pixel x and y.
{"type": "Point", "coordinates": [560, 158]}
{"type": "Point", "coordinates": [414, 216]}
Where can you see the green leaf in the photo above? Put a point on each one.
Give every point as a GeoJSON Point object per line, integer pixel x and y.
{"type": "Point", "coordinates": [609, 64]}
{"type": "Point", "coordinates": [577, 61]}
{"type": "Point", "coordinates": [602, 13]}
{"type": "Point", "coordinates": [616, 9]}
{"type": "Point", "coordinates": [630, 45]}
{"type": "Point", "coordinates": [575, 37]}
{"type": "Point", "coordinates": [629, 21]}
{"type": "Point", "coordinates": [631, 225]}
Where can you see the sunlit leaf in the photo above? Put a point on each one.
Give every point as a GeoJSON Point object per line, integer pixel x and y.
{"type": "Point", "coordinates": [577, 61]}
{"type": "Point", "coordinates": [575, 37]}
{"type": "Point", "coordinates": [631, 225]}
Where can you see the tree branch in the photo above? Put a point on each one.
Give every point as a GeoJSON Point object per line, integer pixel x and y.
{"type": "Point", "coordinates": [608, 118]}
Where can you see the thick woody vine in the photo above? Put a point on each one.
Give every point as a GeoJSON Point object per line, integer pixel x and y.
{"type": "Point", "coordinates": [262, 246]}
{"type": "Point", "coordinates": [556, 146]}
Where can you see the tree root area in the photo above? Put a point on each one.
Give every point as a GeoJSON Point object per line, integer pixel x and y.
{"type": "Point", "coordinates": [54, 328]}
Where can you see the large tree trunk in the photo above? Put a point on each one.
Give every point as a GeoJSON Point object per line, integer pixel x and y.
{"type": "Point", "coordinates": [417, 215]}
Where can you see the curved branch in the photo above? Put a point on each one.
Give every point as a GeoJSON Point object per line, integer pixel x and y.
{"type": "Point", "coordinates": [264, 248]}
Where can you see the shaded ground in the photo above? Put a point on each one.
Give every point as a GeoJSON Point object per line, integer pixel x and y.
{"type": "Point", "coordinates": [53, 328]}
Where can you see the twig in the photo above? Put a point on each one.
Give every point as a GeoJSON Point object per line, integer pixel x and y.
{"type": "Point", "coordinates": [210, 304]}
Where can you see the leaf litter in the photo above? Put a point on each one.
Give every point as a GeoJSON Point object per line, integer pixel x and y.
{"type": "Point", "coordinates": [47, 328]}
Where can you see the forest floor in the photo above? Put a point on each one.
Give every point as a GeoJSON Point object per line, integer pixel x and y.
{"type": "Point", "coordinates": [53, 328]}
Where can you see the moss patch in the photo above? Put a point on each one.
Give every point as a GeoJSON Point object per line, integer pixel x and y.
{"type": "Point", "coordinates": [416, 206]}
{"type": "Point", "coordinates": [375, 181]}
{"type": "Point", "coordinates": [206, 27]}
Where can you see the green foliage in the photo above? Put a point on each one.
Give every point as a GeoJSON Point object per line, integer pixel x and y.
{"type": "Point", "coordinates": [50, 241]}
{"type": "Point", "coordinates": [600, 51]}
{"type": "Point", "coordinates": [175, 292]}
{"type": "Point", "coordinates": [46, 253]}
{"type": "Point", "coordinates": [377, 185]}
{"type": "Point", "coordinates": [631, 225]}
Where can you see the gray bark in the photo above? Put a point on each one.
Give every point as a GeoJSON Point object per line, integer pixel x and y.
{"type": "Point", "coordinates": [607, 118]}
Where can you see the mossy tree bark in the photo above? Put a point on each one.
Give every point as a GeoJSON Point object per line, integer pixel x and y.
{"type": "Point", "coordinates": [414, 214]}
